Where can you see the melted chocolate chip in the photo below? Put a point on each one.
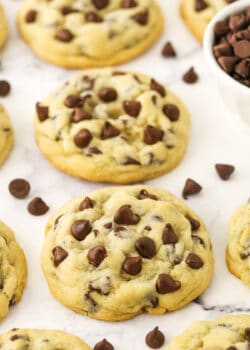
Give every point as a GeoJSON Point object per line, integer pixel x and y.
{"type": "Point", "coordinates": [132, 266]}
{"type": "Point", "coordinates": [73, 101]}
{"type": "Point", "coordinates": [66, 10]}
{"type": "Point", "coordinates": [145, 246]}
{"type": "Point", "coordinates": [80, 229]}
{"type": "Point", "coordinates": [194, 261]}
{"type": "Point", "coordinates": [125, 216]}
{"type": "Point", "coordinates": [19, 188]}
{"type": "Point", "coordinates": [191, 187]}
{"type": "Point", "coordinates": [155, 338]}
{"type": "Point", "coordinates": [224, 171]}
{"type": "Point", "coordinates": [31, 16]}
{"type": "Point", "coordinates": [131, 161]}
{"type": "Point", "coordinates": [97, 255]}
{"type": "Point", "coordinates": [169, 236]}
{"type": "Point", "coordinates": [83, 138]}
{"type": "Point", "coordinates": [247, 333]}
{"type": "Point", "coordinates": [195, 224]}
{"type": "Point", "coordinates": [37, 207]}
{"type": "Point", "coordinates": [166, 284]}
{"type": "Point", "coordinates": [79, 115]}
{"type": "Point", "coordinates": [126, 4]}
{"type": "Point", "coordinates": [93, 17]}
{"type": "Point", "coordinates": [42, 112]}
{"type": "Point", "coordinates": [64, 35]}
{"type": "Point", "coordinates": [109, 131]}
{"type": "Point", "coordinates": [59, 255]}
{"type": "Point", "coordinates": [100, 4]}
{"type": "Point", "coordinates": [87, 203]}
{"type": "Point", "coordinates": [141, 17]}
{"type": "Point", "coordinates": [132, 108]}
{"type": "Point", "coordinates": [200, 5]}
{"type": "Point", "coordinates": [152, 135]}
{"type": "Point", "coordinates": [94, 150]}
{"type": "Point", "coordinates": [171, 111]}
{"type": "Point", "coordinates": [107, 94]}
{"type": "Point", "coordinates": [144, 194]}
{"type": "Point", "coordinates": [154, 85]}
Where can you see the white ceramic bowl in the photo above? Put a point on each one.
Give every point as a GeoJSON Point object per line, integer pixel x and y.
{"type": "Point", "coordinates": [235, 95]}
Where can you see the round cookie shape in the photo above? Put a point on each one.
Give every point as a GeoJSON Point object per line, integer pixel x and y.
{"type": "Point", "coordinates": [198, 13]}
{"type": "Point", "coordinates": [92, 33]}
{"type": "Point", "coordinates": [34, 339]}
{"type": "Point", "coordinates": [228, 333]}
{"type": "Point", "coordinates": [122, 251]}
{"type": "Point", "coordinates": [112, 126]}
{"type": "Point", "coordinates": [3, 27]}
{"type": "Point", "coordinates": [238, 249]}
{"type": "Point", "coordinates": [6, 135]}
{"type": "Point", "coordinates": [13, 270]}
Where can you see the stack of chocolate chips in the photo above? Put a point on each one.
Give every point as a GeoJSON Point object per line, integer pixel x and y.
{"type": "Point", "coordinates": [232, 46]}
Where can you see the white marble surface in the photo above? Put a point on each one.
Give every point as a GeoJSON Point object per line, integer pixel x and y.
{"type": "Point", "coordinates": [213, 139]}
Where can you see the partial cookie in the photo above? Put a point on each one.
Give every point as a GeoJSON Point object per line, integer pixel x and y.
{"type": "Point", "coordinates": [35, 339]}
{"type": "Point", "coordinates": [238, 249]}
{"type": "Point", "coordinates": [225, 333]}
{"type": "Point", "coordinates": [13, 270]}
{"type": "Point", "coordinates": [121, 251]}
{"type": "Point", "coordinates": [198, 13]}
{"type": "Point", "coordinates": [112, 126]}
{"type": "Point", "coordinates": [3, 27]}
{"type": "Point", "coordinates": [89, 33]}
{"type": "Point", "coordinates": [6, 135]}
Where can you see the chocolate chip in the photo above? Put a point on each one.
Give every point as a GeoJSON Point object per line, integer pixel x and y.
{"type": "Point", "coordinates": [198, 239]}
{"type": "Point", "coordinates": [152, 135]}
{"type": "Point", "coordinates": [237, 22]}
{"type": "Point", "coordinates": [126, 4]}
{"type": "Point", "coordinates": [131, 161]}
{"type": "Point", "coordinates": [224, 170]}
{"type": "Point", "coordinates": [200, 5]}
{"type": "Point", "coordinates": [83, 138]}
{"type": "Point", "coordinates": [103, 345]}
{"type": "Point", "coordinates": [194, 261]}
{"type": "Point", "coordinates": [80, 115]}
{"type": "Point", "coordinates": [166, 284]}
{"type": "Point", "coordinates": [37, 207]}
{"type": "Point", "coordinates": [231, 348]}
{"type": "Point", "coordinates": [247, 333]}
{"type": "Point", "coordinates": [100, 4]}
{"type": "Point", "coordinates": [66, 10]}
{"type": "Point", "coordinates": [108, 225]}
{"type": "Point", "coordinates": [132, 266]}
{"type": "Point", "coordinates": [171, 111]}
{"type": "Point", "coordinates": [195, 224]}
{"type": "Point", "coordinates": [144, 194]}
{"type": "Point", "coordinates": [125, 216]}
{"type": "Point", "coordinates": [109, 131]}
{"type": "Point", "coordinates": [87, 203]}
{"type": "Point", "coordinates": [154, 85]}
{"type": "Point", "coordinates": [168, 50]}
{"type": "Point", "coordinates": [31, 16]}
{"type": "Point", "coordinates": [19, 188]}
{"type": "Point", "coordinates": [64, 35]}
{"type": "Point", "coordinates": [190, 77]}
{"type": "Point", "coordinates": [59, 255]}
{"type": "Point", "coordinates": [191, 187]}
{"type": "Point", "coordinates": [4, 88]}
{"type": "Point", "coordinates": [107, 94]}
{"type": "Point", "coordinates": [73, 101]}
{"type": "Point", "coordinates": [57, 221]}
{"type": "Point", "coordinates": [244, 256]}
{"type": "Point", "coordinates": [80, 229]}
{"type": "Point", "coordinates": [97, 255]}
{"type": "Point", "coordinates": [141, 17]}
{"type": "Point", "coordinates": [228, 63]}
{"type": "Point", "coordinates": [155, 338]}
{"type": "Point", "coordinates": [223, 49]}
{"type": "Point", "coordinates": [242, 49]}
{"type": "Point", "coordinates": [169, 236]}
{"type": "Point", "coordinates": [132, 108]}
{"type": "Point", "coordinates": [93, 17]}
{"type": "Point", "coordinates": [94, 150]}
{"type": "Point", "coordinates": [221, 28]}
{"type": "Point", "coordinates": [243, 68]}
{"type": "Point", "coordinates": [42, 112]}
{"type": "Point", "coordinates": [145, 246]}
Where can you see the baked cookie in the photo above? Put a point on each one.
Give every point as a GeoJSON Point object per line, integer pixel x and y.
{"type": "Point", "coordinates": [106, 125]}
{"type": "Point", "coordinates": [198, 13]}
{"type": "Point", "coordinates": [3, 27]}
{"type": "Point", "coordinates": [12, 270]}
{"type": "Point", "coordinates": [225, 333]}
{"type": "Point", "coordinates": [89, 33]}
{"type": "Point", "coordinates": [238, 249]}
{"type": "Point", "coordinates": [36, 339]}
{"type": "Point", "coordinates": [121, 251]}
{"type": "Point", "coordinates": [6, 135]}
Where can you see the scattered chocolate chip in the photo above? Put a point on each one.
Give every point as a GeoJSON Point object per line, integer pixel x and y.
{"type": "Point", "coordinates": [145, 246]}
{"type": "Point", "coordinates": [64, 35]}
{"type": "Point", "coordinates": [152, 135]}
{"type": "Point", "coordinates": [154, 85]}
{"type": "Point", "coordinates": [132, 266]}
{"type": "Point", "coordinates": [168, 50]}
{"type": "Point", "coordinates": [171, 111]}
{"type": "Point", "coordinates": [42, 112]}
{"type": "Point", "coordinates": [131, 161]}
{"type": "Point", "coordinates": [4, 88]}
{"type": "Point", "coordinates": [132, 108]}
{"type": "Point", "coordinates": [126, 4]}
{"type": "Point", "coordinates": [125, 216]}
{"type": "Point", "coordinates": [191, 187]}
{"type": "Point", "coordinates": [31, 16]}
{"type": "Point", "coordinates": [107, 94]}
{"type": "Point", "coordinates": [200, 5]}
{"type": "Point", "coordinates": [93, 17]}
{"type": "Point", "coordinates": [194, 261]}
{"type": "Point", "coordinates": [59, 255]}
{"type": "Point", "coordinates": [100, 4]}
{"type": "Point", "coordinates": [86, 204]}
{"type": "Point", "coordinates": [155, 338]}
{"type": "Point", "coordinates": [83, 138]}
{"type": "Point", "coordinates": [190, 77]}
{"type": "Point", "coordinates": [97, 255]}
{"type": "Point", "coordinates": [109, 131]}
{"type": "Point", "coordinates": [37, 207]}
{"type": "Point", "coordinates": [80, 229]}
{"type": "Point", "coordinates": [141, 17]}
{"type": "Point", "coordinates": [169, 236]}
{"type": "Point", "coordinates": [103, 345]}
{"type": "Point", "coordinates": [224, 170]}
{"type": "Point", "coordinates": [144, 194]}
{"type": "Point", "coordinates": [195, 224]}
{"type": "Point", "coordinates": [166, 284]}
{"type": "Point", "coordinates": [19, 188]}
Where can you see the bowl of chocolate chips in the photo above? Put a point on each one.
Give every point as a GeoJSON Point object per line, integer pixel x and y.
{"type": "Point", "coordinates": [227, 52]}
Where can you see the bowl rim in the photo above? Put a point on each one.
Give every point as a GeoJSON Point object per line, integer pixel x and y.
{"type": "Point", "coordinates": [235, 7]}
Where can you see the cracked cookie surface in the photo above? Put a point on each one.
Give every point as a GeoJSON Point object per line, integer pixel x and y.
{"type": "Point", "coordinates": [6, 135]}
{"type": "Point", "coordinates": [112, 126]}
{"type": "Point", "coordinates": [198, 13]}
{"type": "Point", "coordinates": [238, 249]}
{"type": "Point", "coordinates": [225, 333]}
{"type": "Point", "coordinates": [3, 27]}
{"type": "Point", "coordinates": [89, 33]}
{"type": "Point", "coordinates": [36, 339]}
{"type": "Point", "coordinates": [118, 252]}
{"type": "Point", "coordinates": [13, 270]}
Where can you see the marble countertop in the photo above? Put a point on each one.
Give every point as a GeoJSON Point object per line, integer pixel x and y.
{"type": "Point", "coordinates": [214, 138]}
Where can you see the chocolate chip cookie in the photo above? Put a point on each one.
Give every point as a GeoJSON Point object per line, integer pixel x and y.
{"type": "Point", "coordinates": [6, 135]}
{"type": "Point", "coordinates": [3, 27]}
{"type": "Point", "coordinates": [198, 13]}
{"type": "Point", "coordinates": [122, 251]}
{"type": "Point", "coordinates": [12, 271]}
{"type": "Point", "coordinates": [92, 33]}
{"type": "Point", "coordinates": [34, 339]}
{"type": "Point", "coordinates": [228, 333]}
{"type": "Point", "coordinates": [238, 249]}
{"type": "Point", "coordinates": [112, 126]}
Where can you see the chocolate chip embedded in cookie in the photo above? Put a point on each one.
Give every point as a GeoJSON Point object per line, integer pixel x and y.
{"type": "Point", "coordinates": [6, 135]}
{"type": "Point", "coordinates": [97, 34]}
{"type": "Point", "coordinates": [112, 126]}
{"type": "Point", "coordinates": [126, 250]}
